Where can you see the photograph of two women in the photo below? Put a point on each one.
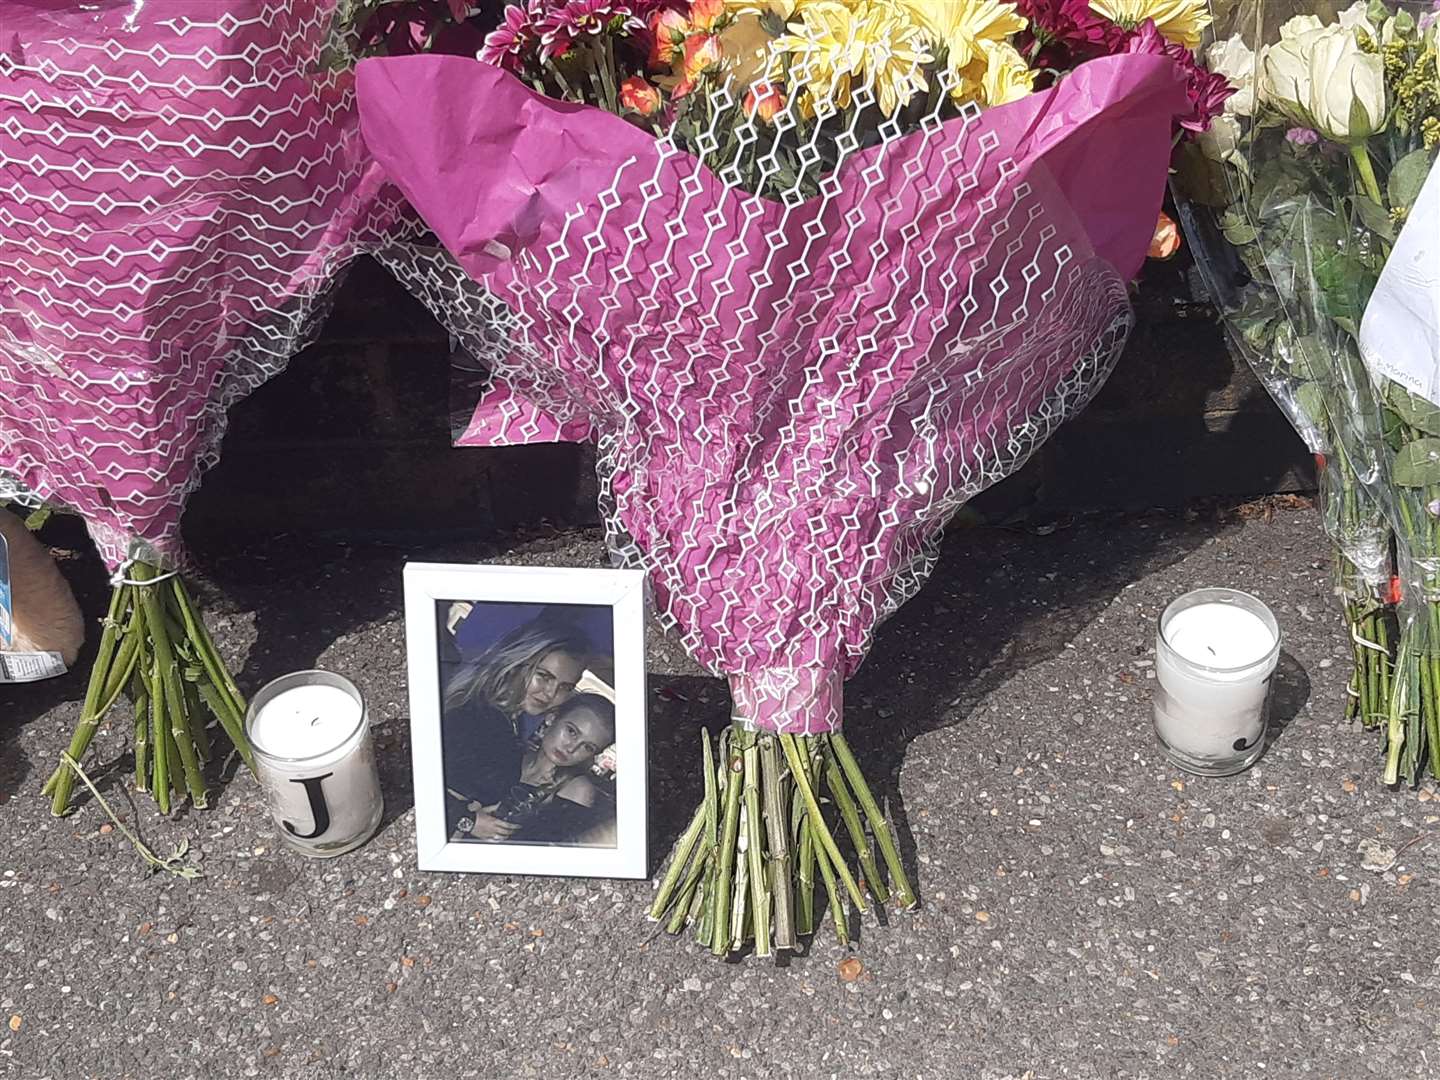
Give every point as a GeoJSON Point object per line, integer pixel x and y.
{"type": "Point", "coordinates": [528, 722]}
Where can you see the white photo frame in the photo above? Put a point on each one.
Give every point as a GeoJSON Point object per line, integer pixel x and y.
{"type": "Point", "coordinates": [500, 596]}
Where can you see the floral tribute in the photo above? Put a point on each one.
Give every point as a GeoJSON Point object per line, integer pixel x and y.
{"type": "Point", "coordinates": [812, 273]}
{"type": "Point", "coordinates": [170, 241]}
{"type": "Point", "coordinates": [1319, 175]}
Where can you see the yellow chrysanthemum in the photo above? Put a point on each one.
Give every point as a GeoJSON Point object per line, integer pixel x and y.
{"type": "Point", "coordinates": [895, 55]}
{"type": "Point", "coordinates": [1178, 20]}
{"type": "Point", "coordinates": [825, 53]}
{"type": "Point", "coordinates": [961, 25]}
{"type": "Point", "coordinates": [835, 44]}
{"type": "Point", "coordinates": [1007, 76]}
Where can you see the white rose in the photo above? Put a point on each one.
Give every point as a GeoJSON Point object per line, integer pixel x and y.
{"type": "Point", "coordinates": [1320, 79]}
{"type": "Point", "coordinates": [1357, 15]}
{"type": "Point", "coordinates": [1234, 59]}
{"type": "Point", "coordinates": [1300, 24]}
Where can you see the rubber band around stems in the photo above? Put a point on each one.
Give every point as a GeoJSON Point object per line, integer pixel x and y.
{"type": "Point", "coordinates": [118, 578]}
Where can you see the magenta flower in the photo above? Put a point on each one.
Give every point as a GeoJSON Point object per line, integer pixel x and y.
{"type": "Point", "coordinates": [508, 44]}
{"type": "Point", "coordinates": [1068, 32]}
{"type": "Point", "coordinates": [565, 23]}
{"type": "Point", "coordinates": [1207, 90]}
{"type": "Point", "coordinates": [1302, 136]}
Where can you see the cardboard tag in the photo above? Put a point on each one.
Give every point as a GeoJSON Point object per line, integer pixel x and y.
{"type": "Point", "coordinates": [7, 612]}
{"type": "Point", "coordinates": [17, 667]}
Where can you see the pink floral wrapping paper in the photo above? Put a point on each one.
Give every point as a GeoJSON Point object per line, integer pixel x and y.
{"type": "Point", "coordinates": [180, 185]}
{"type": "Point", "coordinates": [790, 401]}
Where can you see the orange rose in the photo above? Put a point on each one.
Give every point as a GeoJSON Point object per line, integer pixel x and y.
{"type": "Point", "coordinates": [702, 52]}
{"type": "Point", "coordinates": [764, 101]}
{"type": "Point", "coordinates": [1166, 241]}
{"type": "Point", "coordinates": [704, 14]}
{"type": "Point", "coordinates": [670, 28]}
{"type": "Point", "coordinates": [639, 96]}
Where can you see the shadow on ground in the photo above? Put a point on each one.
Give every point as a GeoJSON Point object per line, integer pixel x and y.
{"type": "Point", "coordinates": [999, 601]}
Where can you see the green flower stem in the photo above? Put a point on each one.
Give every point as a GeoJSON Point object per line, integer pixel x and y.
{"type": "Point", "coordinates": [1398, 707]}
{"type": "Point", "coordinates": [170, 686]}
{"type": "Point", "coordinates": [224, 700]}
{"type": "Point", "coordinates": [744, 868]}
{"type": "Point", "coordinates": [870, 872]}
{"type": "Point", "coordinates": [679, 859]}
{"type": "Point", "coordinates": [805, 877]}
{"type": "Point", "coordinates": [62, 780]}
{"type": "Point", "coordinates": [1382, 635]}
{"type": "Point", "coordinates": [172, 865]}
{"type": "Point", "coordinates": [776, 822]}
{"type": "Point", "coordinates": [1432, 716]}
{"type": "Point", "coordinates": [711, 806]}
{"type": "Point", "coordinates": [822, 834]}
{"type": "Point", "coordinates": [878, 825]}
{"type": "Point", "coordinates": [195, 707]}
{"type": "Point", "coordinates": [729, 835]}
{"type": "Point", "coordinates": [755, 849]}
{"type": "Point", "coordinates": [827, 875]}
{"type": "Point", "coordinates": [688, 892]}
{"type": "Point", "coordinates": [141, 697]}
{"type": "Point", "coordinates": [1364, 670]}
{"type": "Point", "coordinates": [155, 645]}
{"type": "Point", "coordinates": [1361, 156]}
{"type": "Point", "coordinates": [159, 737]}
{"type": "Point", "coordinates": [739, 905]}
{"type": "Point", "coordinates": [1427, 689]}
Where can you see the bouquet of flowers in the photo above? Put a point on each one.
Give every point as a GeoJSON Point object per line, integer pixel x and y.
{"type": "Point", "coordinates": [182, 193]}
{"type": "Point", "coordinates": [1318, 170]}
{"type": "Point", "coordinates": [812, 273]}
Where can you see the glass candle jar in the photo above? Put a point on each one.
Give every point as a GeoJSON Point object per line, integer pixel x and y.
{"type": "Point", "coordinates": [311, 735]}
{"type": "Point", "coordinates": [1215, 657]}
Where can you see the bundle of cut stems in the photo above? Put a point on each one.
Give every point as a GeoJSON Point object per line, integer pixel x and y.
{"type": "Point", "coordinates": [744, 870]}
{"type": "Point", "coordinates": [155, 646]}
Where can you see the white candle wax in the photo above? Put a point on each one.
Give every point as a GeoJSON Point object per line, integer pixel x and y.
{"type": "Point", "coordinates": [306, 722]}
{"type": "Point", "coordinates": [1220, 636]}
{"type": "Point", "coordinates": [314, 759]}
{"type": "Point", "coordinates": [1214, 661]}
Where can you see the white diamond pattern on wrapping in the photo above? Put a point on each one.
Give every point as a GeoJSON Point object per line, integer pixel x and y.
{"type": "Point", "coordinates": [791, 398]}
{"type": "Point", "coordinates": [166, 249]}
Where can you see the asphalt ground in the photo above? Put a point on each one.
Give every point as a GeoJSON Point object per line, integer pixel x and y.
{"type": "Point", "coordinates": [1088, 910]}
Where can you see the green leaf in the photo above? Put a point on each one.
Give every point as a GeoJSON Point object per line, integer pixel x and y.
{"type": "Point", "coordinates": [1413, 409]}
{"type": "Point", "coordinates": [1417, 464]}
{"type": "Point", "coordinates": [1374, 217]}
{"type": "Point", "coordinates": [1408, 177]}
{"type": "Point", "coordinates": [1392, 429]}
{"type": "Point", "coordinates": [1310, 400]}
